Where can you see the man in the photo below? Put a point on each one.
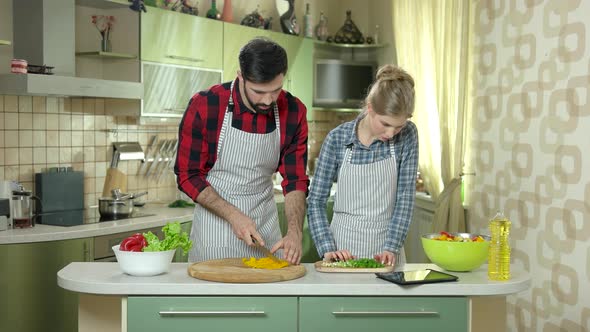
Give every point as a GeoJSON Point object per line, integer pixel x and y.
{"type": "Point", "coordinates": [232, 139]}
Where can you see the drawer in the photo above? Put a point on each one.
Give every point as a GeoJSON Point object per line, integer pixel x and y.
{"type": "Point", "coordinates": [254, 314]}
{"type": "Point", "coordinates": [368, 314]}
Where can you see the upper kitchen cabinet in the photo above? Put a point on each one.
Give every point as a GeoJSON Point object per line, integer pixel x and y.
{"type": "Point", "coordinates": [181, 39]}
{"type": "Point", "coordinates": [299, 50]}
{"type": "Point", "coordinates": [107, 40]}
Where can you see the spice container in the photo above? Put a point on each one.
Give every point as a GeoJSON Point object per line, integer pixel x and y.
{"type": "Point", "coordinates": [18, 66]}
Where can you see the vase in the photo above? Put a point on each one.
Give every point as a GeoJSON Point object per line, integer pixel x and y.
{"type": "Point", "coordinates": [105, 45]}
{"type": "Point", "coordinates": [321, 30]}
{"type": "Point", "coordinates": [289, 21]}
{"type": "Point", "coordinates": [227, 14]}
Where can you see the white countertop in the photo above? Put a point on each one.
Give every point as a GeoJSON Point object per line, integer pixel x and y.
{"type": "Point", "coordinates": [107, 279]}
{"type": "Point", "coordinates": [42, 233]}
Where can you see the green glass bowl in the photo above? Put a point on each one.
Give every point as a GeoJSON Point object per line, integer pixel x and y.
{"type": "Point", "coordinates": [456, 256]}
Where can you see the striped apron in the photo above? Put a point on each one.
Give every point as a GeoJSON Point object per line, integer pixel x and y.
{"type": "Point", "coordinates": [242, 175]}
{"type": "Point", "coordinates": [364, 205]}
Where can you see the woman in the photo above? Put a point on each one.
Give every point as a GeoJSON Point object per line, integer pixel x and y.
{"type": "Point", "coordinates": [374, 159]}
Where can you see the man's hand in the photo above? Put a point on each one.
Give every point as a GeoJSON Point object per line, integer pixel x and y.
{"type": "Point", "coordinates": [245, 228]}
{"type": "Point", "coordinates": [386, 257]}
{"type": "Point", "coordinates": [338, 255]}
{"type": "Point", "coordinates": [292, 247]}
{"type": "Point", "coordinates": [242, 225]}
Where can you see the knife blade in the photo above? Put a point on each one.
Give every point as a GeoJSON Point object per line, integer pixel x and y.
{"type": "Point", "coordinates": [265, 251]}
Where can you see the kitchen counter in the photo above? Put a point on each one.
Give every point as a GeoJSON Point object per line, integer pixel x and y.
{"type": "Point", "coordinates": [110, 300]}
{"type": "Point", "coordinates": [108, 279]}
{"type": "Point", "coordinates": [160, 215]}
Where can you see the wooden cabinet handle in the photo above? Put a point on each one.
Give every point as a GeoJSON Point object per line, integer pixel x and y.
{"type": "Point", "coordinates": [385, 313]}
{"type": "Point", "coordinates": [210, 313]}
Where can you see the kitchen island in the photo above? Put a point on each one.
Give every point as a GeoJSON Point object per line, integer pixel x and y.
{"type": "Point", "coordinates": [113, 301]}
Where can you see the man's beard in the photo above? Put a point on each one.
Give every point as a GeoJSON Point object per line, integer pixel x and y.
{"type": "Point", "coordinates": [256, 107]}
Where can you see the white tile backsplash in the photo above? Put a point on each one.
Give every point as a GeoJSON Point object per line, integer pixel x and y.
{"type": "Point", "coordinates": [37, 133]}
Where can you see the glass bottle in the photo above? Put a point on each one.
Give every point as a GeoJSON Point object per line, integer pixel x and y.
{"type": "Point", "coordinates": [213, 12]}
{"type": "Point", "coordinates": [499, 251]}
{"type": "Point", "coordinates": [307, 23]}
{"type": "Point", "coordinates": [376, 34]}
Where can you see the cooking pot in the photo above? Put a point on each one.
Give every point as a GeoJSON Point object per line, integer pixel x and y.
{"type": "Point", "coordinates": [118, 206]}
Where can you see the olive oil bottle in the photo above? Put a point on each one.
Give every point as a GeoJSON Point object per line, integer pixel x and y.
{"type": "Point", "coordinates": [499, 251]}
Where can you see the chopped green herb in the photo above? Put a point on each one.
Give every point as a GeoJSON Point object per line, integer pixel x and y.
{"type": "Point", "coordinates": [355, 263]}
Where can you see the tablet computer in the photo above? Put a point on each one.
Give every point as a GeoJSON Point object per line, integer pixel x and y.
{"type": "Point", "coordinates": [425, 276]}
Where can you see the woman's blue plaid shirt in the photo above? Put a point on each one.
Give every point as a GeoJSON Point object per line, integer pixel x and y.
{"type": "Point", "coordinates": [326, 173]}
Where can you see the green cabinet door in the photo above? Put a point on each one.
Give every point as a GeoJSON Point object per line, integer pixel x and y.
{"type": "Point", "coordinates": [300, 78]}
{"type": "Point", "coordinates": [256, 314]}
{"type": "Point", "coordinates": [31, 300]}
{"type": "Point", "coordinates": [176, 38]}
{"type": "Point", "coordinates": [376, 314]}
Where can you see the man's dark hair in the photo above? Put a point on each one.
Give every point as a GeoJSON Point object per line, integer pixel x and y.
{"type": "Point", "coordinates": [261, 60]}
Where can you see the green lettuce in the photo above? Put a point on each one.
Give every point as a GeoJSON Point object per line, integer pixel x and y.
{"type": "Point", "coordinates": [174, 238]}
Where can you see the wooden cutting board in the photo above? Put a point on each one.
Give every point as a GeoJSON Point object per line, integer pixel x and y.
{"type": "Point", "coordinates": [320, 268]}
{"type": "Point", "coordinates": [114, 179]}
{"type": "Point", "coordinates": [233, 270]}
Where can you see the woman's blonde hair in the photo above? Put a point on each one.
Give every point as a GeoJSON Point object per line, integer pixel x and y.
{"type": "Point", "coordinates": [392, 93]}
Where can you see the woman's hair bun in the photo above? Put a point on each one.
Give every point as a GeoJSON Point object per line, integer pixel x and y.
{"type": "Point", "coordinates": [392, 73]}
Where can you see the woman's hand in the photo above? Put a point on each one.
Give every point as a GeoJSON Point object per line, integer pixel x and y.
{"type": "Point", "coordinates": [386, 257]}
{"type": "Point", "coordinates": [338, 255]}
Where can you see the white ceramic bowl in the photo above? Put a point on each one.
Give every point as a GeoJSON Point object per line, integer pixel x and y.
{"type": "Point", "coordinates": [144, 264]}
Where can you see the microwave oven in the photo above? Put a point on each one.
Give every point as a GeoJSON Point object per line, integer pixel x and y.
{"type": "Point", "coordinates": [341, 83]}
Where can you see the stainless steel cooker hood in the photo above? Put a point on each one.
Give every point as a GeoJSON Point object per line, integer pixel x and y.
{"type": "Point", "coordinates": [44, 34]}
{"type": "Point", "coordinates": [52, 85]}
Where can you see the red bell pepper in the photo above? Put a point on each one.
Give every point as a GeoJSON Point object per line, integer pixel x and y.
{"type": "Point", "coordinates": [135, 242]}
{"type": "Point", "coordinates": [446, 234]}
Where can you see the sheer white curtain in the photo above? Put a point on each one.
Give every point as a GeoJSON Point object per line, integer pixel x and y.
{"type": "Point", "coordinates": [433, 44]}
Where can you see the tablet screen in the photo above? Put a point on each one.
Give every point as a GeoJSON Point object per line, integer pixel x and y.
{"type": "Point", "coordinates": [417, 277]}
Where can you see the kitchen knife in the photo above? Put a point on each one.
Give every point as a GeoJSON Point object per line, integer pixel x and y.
{"type": "Point", "coordinates": [266, 251]}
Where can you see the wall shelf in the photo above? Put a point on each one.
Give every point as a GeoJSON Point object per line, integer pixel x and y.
{"type": "Point", "coordinates": [5, 42]}
{"type": "Point", "coordinates": [323, 43]}
{"type": "Point", "coordinates": [103, 4]}
{"type": "Point", "coordinates": [99, 54]}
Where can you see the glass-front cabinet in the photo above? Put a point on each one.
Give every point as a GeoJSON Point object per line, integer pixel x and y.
{"type": "Point", "coordinates": [181, 39]}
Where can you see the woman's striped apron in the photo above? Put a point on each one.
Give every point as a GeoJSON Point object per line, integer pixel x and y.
{"type": "Point", "coordinates": [242, 176]}
{"type": "Point", "coordinates": [364, 205]}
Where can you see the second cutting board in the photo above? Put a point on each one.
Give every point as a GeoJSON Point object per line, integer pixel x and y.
{"type": "Point", "coordinates": [320, 268]}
